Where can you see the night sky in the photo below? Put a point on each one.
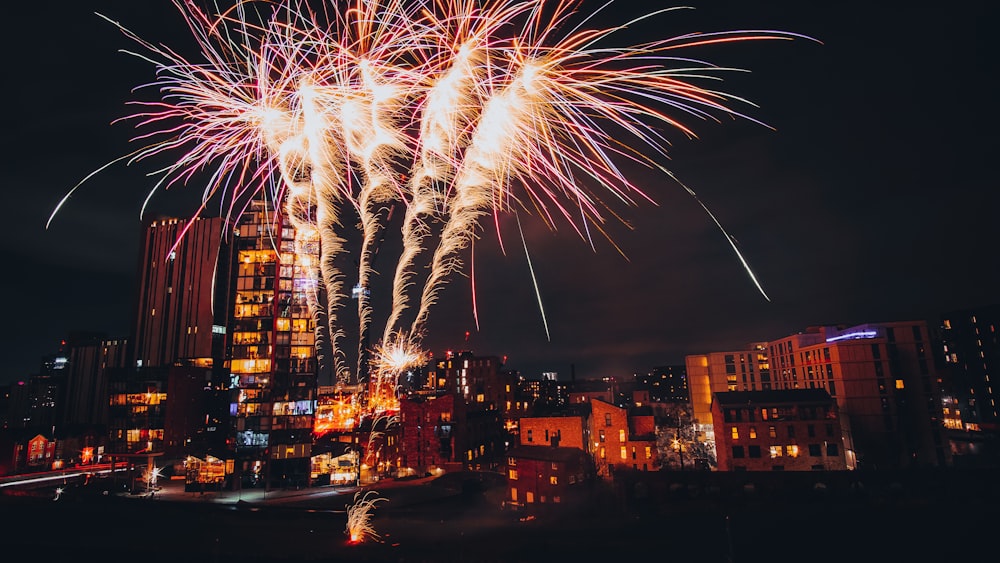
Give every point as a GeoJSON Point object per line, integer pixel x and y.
{"type": "Point", "coordinates": [870, 200]}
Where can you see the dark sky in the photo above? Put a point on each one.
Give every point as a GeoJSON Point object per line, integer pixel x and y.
{"type": "Point", "coordinates": [871, 200]}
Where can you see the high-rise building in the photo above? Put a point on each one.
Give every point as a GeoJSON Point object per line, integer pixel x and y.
{"type": "Point", "coordinates": [180, 306]}
{"type": "Point", "coordinates": [884, 380]}
{"type": "Point", "coordinates": [970, 349]}
{"type": "Point", "coordinates": [272, 355]}
{"type": "Point", "coordinates": [225, 333]}
{"type": "Point", "coordinates": [89, 362]}
{"type": "Point", "coordinates": [882, 376]}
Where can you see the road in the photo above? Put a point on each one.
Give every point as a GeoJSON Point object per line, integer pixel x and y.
{"type": "Point", "coordinates": [440, 520]}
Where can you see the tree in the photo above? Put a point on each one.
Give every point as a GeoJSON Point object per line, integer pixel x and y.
{"type": "Point", "coordinates": [679, 443]}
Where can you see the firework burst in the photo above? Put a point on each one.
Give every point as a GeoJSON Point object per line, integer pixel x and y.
{"type": "Point", "coordinates": [454, 110]}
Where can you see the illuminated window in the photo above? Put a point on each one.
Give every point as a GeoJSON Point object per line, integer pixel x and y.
{"type": "Point", "coordinates": [753, 432]}
{"type": "Point", "coordinates": [601, 436]}
{"type": "Point", "coordinates": [553, 480]}
{"type": "Point", "coordinates": [512, 475]}
{"type": "Point", "coordinates": [792, 451]}
{"type": "Point", "coordinates": [772, 432]}
{"type": "Point", "coordinates": [603, 453]}
{"type": "Point", "coordinates": [623, 453]}
{"type": "Point", "coordinates": [735, 433]}
{"type": "Point", "coordinates": [513, 494]}
{"type": "Point", "coordinates": [649, 452]}
{"type": "Point", "coordinates": [899, 384]}
{"type": "Point", "coordinates": [621, 435]}
{"type": "Point", "coordinates": [775, 451]}
{"type": "Point", "coordinates": [529, 497]}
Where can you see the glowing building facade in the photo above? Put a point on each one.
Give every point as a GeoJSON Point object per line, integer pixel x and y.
{"type": "Point", "coordinates": [271, 353]}
{"type": "Point", "coordinates": [785, 430]}
{"type": "Point", "coordinates": [882, 376]}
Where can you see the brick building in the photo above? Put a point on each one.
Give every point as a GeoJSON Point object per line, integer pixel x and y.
{"type": "Point", "coordinates": [546, 475]}
{"type": "Point", "coordinates": [778, 430]}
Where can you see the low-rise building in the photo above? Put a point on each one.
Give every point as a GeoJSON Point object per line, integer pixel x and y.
{"type": "Point", "coordinates": [778, 430]}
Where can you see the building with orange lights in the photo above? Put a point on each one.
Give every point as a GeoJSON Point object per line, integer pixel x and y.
{"type": "Point", "coordinates": [613, 443]}
{"type": "Point", "coordinates": [778, 430]}
{"type": "Point", "coordinates": [568, 429]}
{"type": "Point", "coordinates": [546, 477]}
{"type": "Point", "coordinates": [882, 376]}
{"type": "Point", "coordinates": [970, 359]}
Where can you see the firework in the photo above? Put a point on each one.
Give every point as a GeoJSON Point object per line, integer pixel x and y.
{"type": "Point", "coordinates": [359, 517]}
{"type": "Point", "coordinates": [453, 110]}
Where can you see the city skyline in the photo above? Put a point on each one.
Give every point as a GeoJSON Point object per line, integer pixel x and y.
{"type": "Point", "coordinates": [836, 232]}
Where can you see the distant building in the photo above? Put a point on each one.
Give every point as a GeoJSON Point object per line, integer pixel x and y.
{"type": "Point", "coordinates": [90, 360]}
{"type": "Point", "coordinates": [668, 384]}
{"type": "Point", "coordinates": [969, 347]}
{"type": "Point", "coordinates": [778, 430]}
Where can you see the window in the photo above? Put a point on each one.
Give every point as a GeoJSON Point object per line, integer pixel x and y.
{"type": "Point", "coordinates": [621, 435]}
{"type": "Point", "coordinates": [603, 453]}
{"type": "Point", "coordinates": [735, 433]}
{"type": "Point", "coordinates": [512, 474]}
{"type": "Point", "coordinates": [649, 452]}
{"type": "Point", "coordinates": [737, 452]}
{"type": "Point", "coordinates": [633, 453]}
{"type": "Point", "coordinates": [831, 449]}
{"type": "Point", "coordinates": [815, 450]}
{"type": "Point", "coordinates": [791, 431]}
{"type": "Point", "coordinates": [811, 430]}
{"type": "Point", "coordinates": [601, 436]}
{"type": "Point", "coordinates": [753, 432]}
{"type": "Point", "coordinates": [792, 450]}
{"type": "Point", "coordinates": [753, 451]}
{"type": "Point", "coordinates": [529, 435]}
{"type": "Point", "coordinates": [772, 432]}
{"type": "Point", "coordinates": [623, 453]}
{"type": "Point", "coordinates": [513, 494]}
{"type": "Point", "coordinates": [607, 419]}
{"type": "Point", "coordinates": [775, 451]}
{"type": "Point", "coordinates": [553, 480]}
